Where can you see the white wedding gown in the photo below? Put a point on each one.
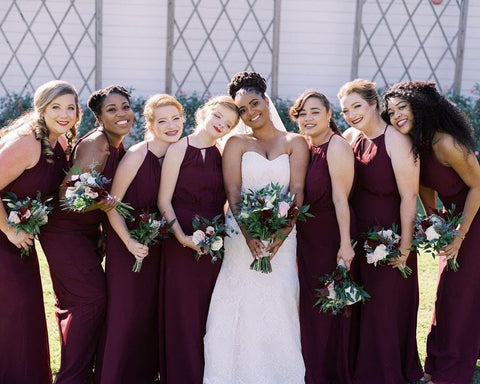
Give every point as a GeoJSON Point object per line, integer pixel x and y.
{"type": "Point", "coordinates": [253, 332]}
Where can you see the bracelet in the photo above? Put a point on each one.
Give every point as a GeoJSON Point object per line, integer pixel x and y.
{"type": "Point", "coordinates": [461, 236]}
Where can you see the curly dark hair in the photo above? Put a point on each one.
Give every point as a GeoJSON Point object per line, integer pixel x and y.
{"type": "Point", "coordinates": [96, 99]}
{"type": "Point", "coordinates": [248, 81]}
{"type": "Point", "coordinates": [432, 112]}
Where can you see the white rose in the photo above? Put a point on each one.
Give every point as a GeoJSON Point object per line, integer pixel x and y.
{"type": "Point", "coordinates": [13, 217]}
{"type": "Point", "coordinates": [217, 243]}
{"type": "Point", "coordinates": [386, 233]}
{"type": "Point", "coordinates": [331, 291]}
{"type": "Point", "coordinates": [198, 236]}
{"type": "Point", "coordinates": [209, 230]}
{"type": "Point", "coordinates": [283, 208]}
{"type": "Point", "coordinates": [91, 181]}
{"type": "Point", "coordinates": [90, 193]}
{"type": "Point", "coordinates": [431, 233]}
{"type": "Point", "coordinates": [351, 293]}
{"type": "Point", "coordinates": [380, 253]}
{"type": "Point", "coordinates": [156, 224]}
{"type": "Point", "coordinates": [84, 177]}
{"type": "Point", "coordinates": [69, 192]}
{"type": "Point", "coordinates": [75, 177]}
{"type": "Point", "coordinates": [435, 220]}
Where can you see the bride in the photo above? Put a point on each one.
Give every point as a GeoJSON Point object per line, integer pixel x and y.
{"type": "Point", "coordinates": [253, 333]}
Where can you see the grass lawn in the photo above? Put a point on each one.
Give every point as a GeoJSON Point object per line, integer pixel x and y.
{"type": "Point", "coordinates": [427, 278]}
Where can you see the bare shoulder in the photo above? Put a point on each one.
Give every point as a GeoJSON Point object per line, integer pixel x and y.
{"type": "Point", "coordinates": [340, 144]}
{"type": "Point", "coordinates": [351, 134]}
{"type": "Point", "coordinates": [240, 143]}
{"type": "Point", "coordinates": [21, 149]}
{"type": "Point", "coordinates": [136, 153]}
{"type": "Point", "coordinates": [296, 140]}
{"type": "Point", "coordinates": [393, 138]}
{"type": "Point", "coordinates": [448, 150]}
{"type": "Point", "coordinates": [178, 148]}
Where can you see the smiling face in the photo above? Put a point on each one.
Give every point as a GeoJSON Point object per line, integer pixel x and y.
{"type": "Point", "coordinates": [167, 124]}
{"type": "Point", "coordinates": [400, 114]}
{"type": "Point", "coordinates": [253, 109]}
{"type": "Point", "coordinates": [313, 119]}
{"type": "Point", "coordinates": [116, 115]}
{"type": "Point", "coordinates": [61, 114]}
{"type": "Point", "coordinates": [357, 111]}
{"type": "Point", "coordinates": [219, 120]}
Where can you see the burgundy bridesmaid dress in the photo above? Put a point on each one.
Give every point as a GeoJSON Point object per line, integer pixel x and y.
{"type": "Point", "coordinates": [387, 351]}
{"type": "Point", "coordinates": [186, 285]}
{"type": "Point", "coordinates": [453, 343]}
{"type": "Point", "coordinates": [325, 337]}
{"type": "Point", "coordinates": [24, 354]}
{"type": "Point", "coordinates": [130, 348]}
{"type": "Point", "coordinates": [71, 246]}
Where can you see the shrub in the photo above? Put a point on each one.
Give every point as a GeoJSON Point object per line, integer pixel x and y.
{"type": "Point", "coordinates": [12, 106]}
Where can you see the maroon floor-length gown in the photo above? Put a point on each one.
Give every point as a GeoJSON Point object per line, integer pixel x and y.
{"type": "Point", "coordinates": [130, 349]}
{"type": "Point", "coordinates": [24, 353]}
{"type": "Point", "coordinates": [186, 285]}
{"type": "Point", "coordinates": [453, 343]}
{"type": "Point", "coordinates": [387, 351]}
{"type": "Point", "coordinates": [71, 246]}
{"type": "Point", "coordinates": [325, 337]}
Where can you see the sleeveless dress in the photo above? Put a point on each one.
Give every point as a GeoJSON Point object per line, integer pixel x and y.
{"type": "Point", "coordinates": [325, 337]}
{"type": "Point", "coordinates": [253, 331]}
{"type": "Point", "coordinates": [71, 248]}
{"type": "Point", "coordinates": [453, 343]}
{"type": "Point", "coordinates": [130, 351]}
{"type": "Point", "coordinates": [24, 353]}
{"type": "Point", "coordinates": [186, 285]}
{"type": "Point", "coordinates": [387, 351]}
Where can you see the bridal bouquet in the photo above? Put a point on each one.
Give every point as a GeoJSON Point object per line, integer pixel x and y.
{"type": "Point", "coordinates": [27, 214]}
{"type": "Point", "coordinates": [147, 230]}
{"type": "Point", "coordinates": [382, 245]}
{"type": "Point", "coordinates": [263, 213]}
{"type": "Point", "coordinates": [436, 231]}
{"type": "Point", "coordinates": [87, 188]}
{"type": "Point", "coordinates": [337, 291]}
{"type": "Point", "coordinates": [209, 235]}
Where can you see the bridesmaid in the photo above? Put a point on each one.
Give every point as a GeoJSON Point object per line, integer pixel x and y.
{"type": "Point", "coordinates": [130, 350]}
{"type": "Point", "coordinates": [71, 243]}
{"type": "Point", "coordinates": [191, 184]}
{"type": "Point", "coordinates": [442, 138]}
{"type": "Point", "coordinates": [31, 159]}
{"type": "Point", "coordinates": [323, 241]}
{"type": "Point", "coordinates": [385, 192]}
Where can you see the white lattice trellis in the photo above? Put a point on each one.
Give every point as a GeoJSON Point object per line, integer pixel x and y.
{"type": "Point", "coordinates": [53, 39]}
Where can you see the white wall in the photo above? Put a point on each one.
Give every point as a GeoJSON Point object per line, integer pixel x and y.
{"type": "Point", "coordinates": [316, 40]}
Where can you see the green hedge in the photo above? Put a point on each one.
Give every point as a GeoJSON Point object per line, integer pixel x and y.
{"type": "Point", "coordinates": [13, 105]}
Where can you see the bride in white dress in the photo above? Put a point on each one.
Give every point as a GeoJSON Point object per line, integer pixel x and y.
{"type": "Point", "coordinates": [253, 332]}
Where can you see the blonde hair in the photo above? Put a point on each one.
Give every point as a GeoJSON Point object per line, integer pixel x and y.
{"type": "Point", "coordinates": [223, 100]}
{"type": "Point", "coordinates": [35, 121]}
{"type": "Point", "coordinates": [156, 101]}
{"type": "Point", "coordinates": [365, 88]}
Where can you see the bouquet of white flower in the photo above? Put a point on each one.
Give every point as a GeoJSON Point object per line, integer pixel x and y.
{"type": "Point", "coordinates": [382, 245]}
{"type": "Point", "coordinates": [337, 291]}
{"type": "Point", "coordinates": [87, 188]}
{"type": "Point", "coordinates": [209, 235]}
{"type": "Point", "coordinates": [27, 214]}
{"type": "Point", "coordinates": [434, 232]}
{"type": "Point", "coordinates": [147, 230]}
{"type": "Point", "coordinates": [263, 213]}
